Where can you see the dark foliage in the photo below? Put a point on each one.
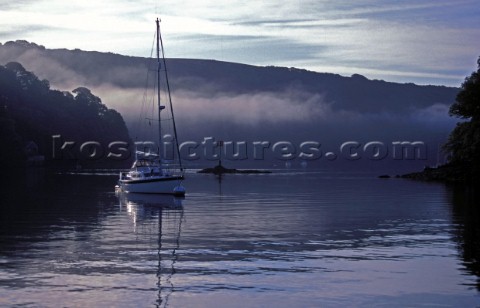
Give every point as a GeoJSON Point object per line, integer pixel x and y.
{"type": "Point", "coordinates": [467, 105]}
{"type": "Point", "coordinates": [31, 113]}
{"type": "Point", "coordinates": [464, 141]}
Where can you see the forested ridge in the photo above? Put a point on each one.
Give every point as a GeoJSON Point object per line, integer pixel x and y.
{"type": "Point", "coordinates": [31, 113]}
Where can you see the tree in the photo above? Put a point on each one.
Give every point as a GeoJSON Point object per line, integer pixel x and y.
{"type": "Point", "coordinates": [464, 141]}
{"type": "Point", "coordinates": [31, 112]}
{"type": "Point", "coordinates": [467, 104]}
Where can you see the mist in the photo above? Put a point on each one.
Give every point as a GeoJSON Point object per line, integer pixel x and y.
{"type": "Point", "coordinates": [234, 102]}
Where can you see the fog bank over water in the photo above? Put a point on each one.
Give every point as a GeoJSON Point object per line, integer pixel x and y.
{"type": "Point", "coordinates": [237, 102]}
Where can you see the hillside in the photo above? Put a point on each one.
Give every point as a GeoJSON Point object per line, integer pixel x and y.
{"type": "Point", "coordinates": [232, 101]}
{"type": "Point", "coordinates": [212, 77]}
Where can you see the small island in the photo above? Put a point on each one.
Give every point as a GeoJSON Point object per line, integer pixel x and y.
{"type": "Point", "coordinates": [219, 170]}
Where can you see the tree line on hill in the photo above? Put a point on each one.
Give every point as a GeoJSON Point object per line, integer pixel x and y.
{"type": "Point", "coordinates": [33, 117]}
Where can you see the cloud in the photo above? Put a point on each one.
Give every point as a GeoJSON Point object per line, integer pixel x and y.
{"type": "Point", "coordinates": [428, 42]}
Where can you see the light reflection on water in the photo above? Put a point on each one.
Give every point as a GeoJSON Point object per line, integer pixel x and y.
{"type": "Point", "coordinates": [291, 239]}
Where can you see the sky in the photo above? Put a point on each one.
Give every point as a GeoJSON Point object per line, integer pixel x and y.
{"type": "Point", "coordinates": [424, 42]}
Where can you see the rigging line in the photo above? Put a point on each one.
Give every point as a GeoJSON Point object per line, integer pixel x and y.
{"type": "Point", "coordinates": [149, 67]}
{"type": "Point", "coordinates": [143, 110]}
{"type": "Point", "coordinates": [170, 98]}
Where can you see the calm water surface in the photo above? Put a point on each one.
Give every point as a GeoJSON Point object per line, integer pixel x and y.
{"type": "Point", "coordinates": [291, 239]}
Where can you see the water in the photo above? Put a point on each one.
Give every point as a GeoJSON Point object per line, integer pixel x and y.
{"type": "Point", "coordinates": [293, 239]}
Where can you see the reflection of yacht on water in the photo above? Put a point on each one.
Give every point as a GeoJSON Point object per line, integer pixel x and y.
{"type": "Point", "coordinates": [162, 216]}
{"type": "Point", "coordinates": [156, 201]}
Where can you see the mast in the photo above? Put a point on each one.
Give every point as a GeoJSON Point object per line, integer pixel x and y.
{"type": "Point", "coordinates": [160, 107]}
{"type": "Point", "coordinates": [170, 99]}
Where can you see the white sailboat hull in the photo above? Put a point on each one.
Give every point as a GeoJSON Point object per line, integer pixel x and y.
{"type": "Point", "coordinates": [161, 185]}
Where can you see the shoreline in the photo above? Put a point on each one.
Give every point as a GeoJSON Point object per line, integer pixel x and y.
{"type": "Point", "coordinates": [448, 173]}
